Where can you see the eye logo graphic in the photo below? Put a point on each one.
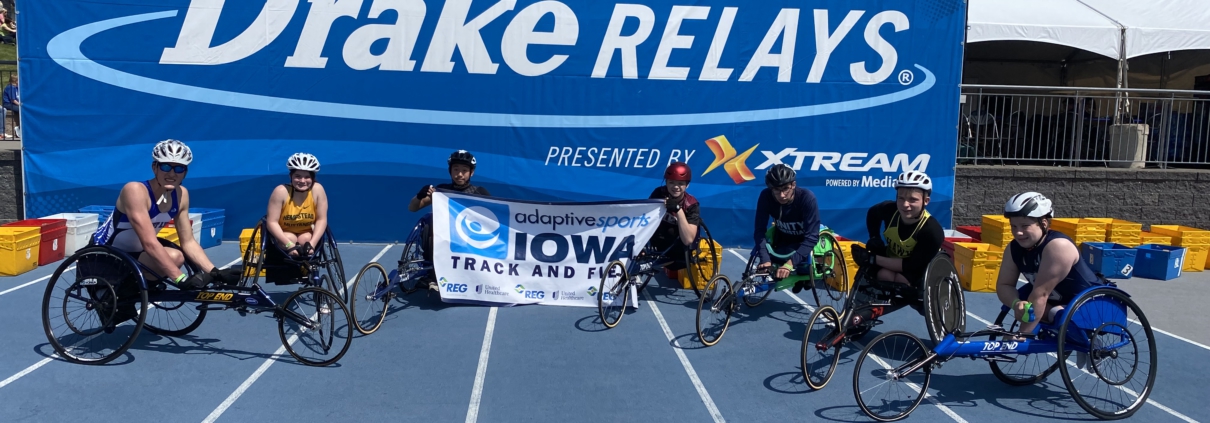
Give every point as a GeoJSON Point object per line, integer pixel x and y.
{"type": "Point", "coordinates": [475, 228]}
{"type": "Point", "coordinates": [724, 155]}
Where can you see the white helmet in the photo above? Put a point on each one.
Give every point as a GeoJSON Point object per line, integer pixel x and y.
{"type": "Point", "coordinates": [914, 179]}
{"type": "Point", "coordinates": [303, 161]}
{"type": "Point", "coordinates": [172, 151]}
{"type": "Point", "coordinates": [1030, 204]}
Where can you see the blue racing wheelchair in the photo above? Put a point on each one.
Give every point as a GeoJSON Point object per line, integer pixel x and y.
{"type": "Point", "coordinates": [1110, 377]}
{"type": "Point", "coordinates": [373, 289]}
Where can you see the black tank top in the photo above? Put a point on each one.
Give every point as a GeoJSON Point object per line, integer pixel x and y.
{"type": "Point", "coordinates": [1028, 261]}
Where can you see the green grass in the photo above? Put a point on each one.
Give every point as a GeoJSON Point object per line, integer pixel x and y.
{"type": "Point", "coordinates": [8, 52]}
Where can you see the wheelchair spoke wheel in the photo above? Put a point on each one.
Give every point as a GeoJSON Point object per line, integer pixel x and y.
{"type": "Point", "coordinates": [1028, 369]}
{"type": "Point", "coordinates": [714, 310]}
{"type": "Point", "coordinates": [411, 266]}
{"type": "Point", "coordinates": [335, 267]}
{"type": "Point", "coordinates": [753, 278]}
{"type": "Point", "coordinates": [703, 273]}
{"type": "Point", "coordinates": [171, 318]}
{"type": "Point", "coordinates": [831, 275]}
{"type": "Point", "coordinates": [613, 294]}
{"type": "Point", "coordinates": [1114, 353]}
{"type": "Point", "coordinates": [944, 301]}
{"type": "Point", "coordinates": [314, 326]}
{"type": "Point", "coordinates": [820, 353]}
{"type": "Point", "coordinates": [884, 383]}
{"type": "Point", "coordinates": [93, 307]}
{"type": "Point", "coordinates": [371, 294]}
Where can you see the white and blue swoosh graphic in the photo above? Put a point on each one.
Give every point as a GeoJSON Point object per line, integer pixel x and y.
{"type": "Point", "coordinates": [64, 49]}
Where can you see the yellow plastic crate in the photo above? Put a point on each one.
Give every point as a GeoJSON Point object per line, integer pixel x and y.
{"type": "Point", "coordinates": [170, 235]}
{"type": "Point", "coordinates": [850, 266]}
{"type": "Point", "coordinates": [1121, 231]}
{"type": "Point", "coordinates": [1183, 235]}
{"type": "Point", "coordinates": [975, 251]}
{"type": "Point", "coordinates": [1154, 238]}
{"type": "Point", "coordinates": [978, 275]}
{"type": "Point", "coordinates": [997, 238]}
{"type": "Point", "coordinates": [995, 221]}
{"type": "Point", "coordinates": [245, 238]}
{"type": "Point", "coordinates": [704, 265]}
{"type": "Point", "coordinates": [1081, 230]}
{"type": "Point", "coordinates": [1195, 258]}
{"type": "Point", "coordinates": [19, 247]}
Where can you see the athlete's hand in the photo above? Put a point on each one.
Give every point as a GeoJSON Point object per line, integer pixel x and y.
{"type": "Point", "coordinates": [782, 273]}
{"type": "Point", "coordinates": [425, 192]}
{"type": "Point", "coordinates": [672, 204]}
{"type": "Point", "coordinates": [861, 256]}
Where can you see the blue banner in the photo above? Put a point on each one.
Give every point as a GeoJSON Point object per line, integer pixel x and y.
{"type": "Point", "coordinates": [559, 101]}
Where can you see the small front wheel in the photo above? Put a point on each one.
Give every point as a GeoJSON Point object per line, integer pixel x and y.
{"type": "Point", "coordinates": [893, 381]}
{"type": "Point", "coordinates": [370, 297]}
{"type": "Point", "coordinates": [714, 310]}
{"type": "Point", "coordinates": [823, 335]}
{"type": "Point", "coordinates": [613, 294]}
{"type": "Point", "coordinates": [319, 322]}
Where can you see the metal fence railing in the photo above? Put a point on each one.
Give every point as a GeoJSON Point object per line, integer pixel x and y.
{"type": "Point", "coordinates": [1066, 126]}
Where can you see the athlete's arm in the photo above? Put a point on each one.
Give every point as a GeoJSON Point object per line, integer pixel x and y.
{"type": "Point", "coordinates": [321, 213]}
{"type": "Point", "coordinates": [873, 220]}
{"type": "Point", "coordinates": [761, 223]}
{"type": "Point", "coordinates": [810, 220]}
{"type": "Point", "coordinates": [684, 217]}
{"type": "Point", "coordinates": [1006, 282]}
{"type": "Point", "coordinates": [134, 203]}
{"type": "Point", "coordinates": [422, 198]}
{"type": "Point", "coordinates": [1057, 259]}
{"type": "Point", "coordinates": [184, 230]}
{"type": "Point", "coordinates": [278, 198]}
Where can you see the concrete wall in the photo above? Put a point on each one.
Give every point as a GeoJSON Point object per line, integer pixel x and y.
{"type": "Point", "coordinates": [11, 196]}
{"type": "Point", "coordinates": [1149, 196]}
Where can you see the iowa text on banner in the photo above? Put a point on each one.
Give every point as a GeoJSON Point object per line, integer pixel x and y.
{"type": "Point", "coordinates": [520, 252]}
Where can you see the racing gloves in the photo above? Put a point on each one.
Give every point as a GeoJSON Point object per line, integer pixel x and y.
{"type": "Point", "coordinates": [672, 204]}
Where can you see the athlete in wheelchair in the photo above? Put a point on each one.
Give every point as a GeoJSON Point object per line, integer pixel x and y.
{"type": "Point", "coordinates": [292, 243]}
{"type": "Point", "coordinates": [128, 274]}
{"type": "Point", "coordinates": [676, 245]}
{"type": "Point", "coordinates": [1063, 309]}
{"type": "Point", "coordinates": [908, 268]}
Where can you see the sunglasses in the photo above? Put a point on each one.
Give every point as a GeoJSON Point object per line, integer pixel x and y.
{"type": "Point", "coordinates": [165, 167]}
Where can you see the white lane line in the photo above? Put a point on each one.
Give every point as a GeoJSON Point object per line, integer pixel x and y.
{"type": "Point", "coordinates": [33, 282]}
{"type": "Point", "coordinates": [472, 410]}
{"type": "Point", "coordinates": [697, 382]}
{"type": "Point", "coordinates": [218, 411]}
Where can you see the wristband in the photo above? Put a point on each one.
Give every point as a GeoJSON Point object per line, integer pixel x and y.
{"type": "Point", "coordinates": [179, 279]}
{"type": "Point", "coordinates": [787, 265]}
{"type": "Point", "coordinates": [289, 244]}
{"type": "Point", "coordinates": [1029, 311]}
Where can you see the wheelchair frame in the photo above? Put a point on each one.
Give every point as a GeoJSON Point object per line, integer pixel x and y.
{"type": "Point", "coordinates": [411, 269]}
{"type": "Point", "coordinates": [644, 265]}
{"type": "Point", "coordinates": [325, 261]}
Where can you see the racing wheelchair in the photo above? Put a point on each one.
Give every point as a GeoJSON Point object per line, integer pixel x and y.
{"type": "Point", "coordinates": [1111, 377]}
{"type": "Point", "coordinates": [97, 290]}
{"type": "Point", "coordinates": [373, 288]}
{"type": "Point", "coordinates": [721, 297]}
{"type": "Point", "coordinates": [321, 268]}
{"type": "Point", "coordinates": [617, 280]}
{"type": "Point", "coordinates": [940, 299]}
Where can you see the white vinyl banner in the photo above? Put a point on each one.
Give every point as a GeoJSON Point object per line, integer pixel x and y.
{"type": "Point", "coordinates": [518, 252]}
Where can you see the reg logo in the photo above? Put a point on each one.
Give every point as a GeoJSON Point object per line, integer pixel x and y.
{"type": "Point", "coordinates": [447, 286]}
{"type": "Point", "coordinates": [531, 294]}
{"type": "Point", "coordinates": [475, 228]}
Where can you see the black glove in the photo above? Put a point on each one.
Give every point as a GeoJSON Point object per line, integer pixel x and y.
{"type": "Point", "coordinates": [227, 276]}
{"type": "Point", "coordinates": [197, 281]}
{"type": "Point", "coordinates": [424, 192]}
{"type": "Point", "coordinates": [305, 249]}
{"type": "Point", "coordinates": [875, 246]}
{"type": "Point", "coordinates": [861, 256]}
{"type": "Point", "coordinates": [673, 204]}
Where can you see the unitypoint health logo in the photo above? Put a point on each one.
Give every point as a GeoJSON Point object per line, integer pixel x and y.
{"type": "Point", "coordinates": [475, 228]}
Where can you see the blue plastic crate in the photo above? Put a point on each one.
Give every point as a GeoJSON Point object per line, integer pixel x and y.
{"type": "Point", "coordinates": [212, 226]}
{"type": "Point", "coordinates": [1111, 260]}
{"type": "Point", "coordinates": [1154, 261]}
{"type": "Point", "coordinates": [102, 212]}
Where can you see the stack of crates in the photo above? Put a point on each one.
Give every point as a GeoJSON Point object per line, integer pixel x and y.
{"type": "Point", "coordinates": [1122, 232]}
{"type": "Point", "coordinates": [952, 236]}
{"type": "Point", "coordinates": [195, 223]}
{"type": "Point", "coordinates": [211, 227]}
{"type": "Point", "coordinates": [1080, 230]}
{"type": "Point", "coordinates": [996, 231]}
{"type": "Point", "coordinates": [80, 228]}
{"type": "Point", "coordinates": [19, 249]}
{"type": "Point", "coordinates": [846, 247]}
{"type": "Point", "coordinates": [1154, 238]}
{"type": "Point", "coordinates": [102, 212]}
{"type": "Point", "coordinates": [978, 265]}
{"type": "Point", "coordinates": [704, 266]}
{"type": "Point", "coordinates": [1162, 262]}
{"type": "Point", "coordinates": [1195, 241]}
{"type": "Point", "coordinates": [170, 235]}
{"type": "Point", "coordinates": [51, 240]}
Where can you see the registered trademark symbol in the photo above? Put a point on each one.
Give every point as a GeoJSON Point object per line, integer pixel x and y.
{"type": "Point", "coordinates": [905, 77]}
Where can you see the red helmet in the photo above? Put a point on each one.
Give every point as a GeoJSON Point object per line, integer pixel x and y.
{"type": "Point", "coordinates": [678, 171]}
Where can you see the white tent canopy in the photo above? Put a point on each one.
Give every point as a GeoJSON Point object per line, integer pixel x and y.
{"type": "Point", "coordinates": [1150, 26]}
{"type": "Point", "coordinates": [1064, 22]}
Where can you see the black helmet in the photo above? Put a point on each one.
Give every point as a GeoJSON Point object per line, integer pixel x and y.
{"type": "Point", "coordinates": [779, 176]}
{"type": "Point", "coordinates": [462, 156]}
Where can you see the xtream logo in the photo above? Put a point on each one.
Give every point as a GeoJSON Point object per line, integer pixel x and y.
{"type": "Point", "coordinates": [736, 165]}
{"type": "Point", "coordinates": [476, 229]}
{"type": "Point", "coordinates": [630, 31]}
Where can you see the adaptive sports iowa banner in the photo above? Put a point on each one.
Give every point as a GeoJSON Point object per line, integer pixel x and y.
{"type": "Point", "coordinates": [559, 100]}
{"type": "Point", "coordinates": [520, 252]}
